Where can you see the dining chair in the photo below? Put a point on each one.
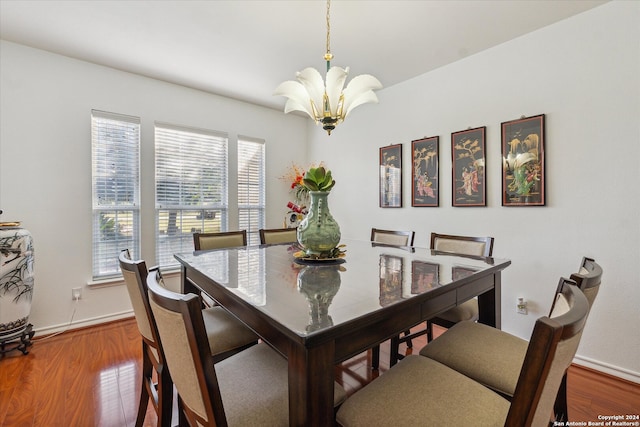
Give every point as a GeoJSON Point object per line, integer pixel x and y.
{"type": "Point", "coordinates": [159, 391]}
{"type": "Point", "coordinates": [249, 388]}
{"type": "Point", "coordinates": [588, 278]}
{"type": "Point", "coordinates": [392, 237]}
{"type": "Point", "coordinates": [423, 391]}
{"type": "Point", "coordinates": [473, 348]}
{"type": "Point", "coordinates": [278, 235]}
{"type": "Point", "coordinates": [224, 239]}
{"type": "Point", "coordinates": [388, 238]}
{"type": "Point", "coordinates": [465, 245]}
{"type": "Point", "coordinates": [468, 310]}
{"type": "Point", "coordinates": [225, 334]}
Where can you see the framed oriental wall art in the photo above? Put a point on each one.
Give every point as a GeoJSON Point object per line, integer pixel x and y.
{"type": "Point", "coordinates": [424, 174]}
{"type": "Point", "coordinates": [468, 167]}
{"type": "Point", "coordinates": [523, 162]}
{"type": "Point", "coordinates": [391, 176]}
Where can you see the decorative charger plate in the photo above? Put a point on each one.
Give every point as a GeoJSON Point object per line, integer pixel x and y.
{"type": "Point", "coordinates": [301, 258]}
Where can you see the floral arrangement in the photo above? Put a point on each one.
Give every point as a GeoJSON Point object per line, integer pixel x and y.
{"type": "Point", "coordinates": [295, 178]}
{"type": "Point", "coordinates": [301, 181]}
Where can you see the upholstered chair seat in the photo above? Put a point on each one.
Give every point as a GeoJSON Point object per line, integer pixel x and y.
{"type": "Point", "coordinates": [470, 348]}
{"type": "Point", "coordinates": [422, 391]}
{"type": "Point", "coordinates": [225, 333]}
{"type": "Point", "coordinates": [491, 356]}
{"type": "Point", "coordinates": [249, 388]}
{"type": "Point", "coordinates": [467, 311]}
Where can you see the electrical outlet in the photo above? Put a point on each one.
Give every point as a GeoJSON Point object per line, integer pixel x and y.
{"type": "Point", "coordinates": [521, 307]}
{"type": "Point", "coordinates": [76, 293]}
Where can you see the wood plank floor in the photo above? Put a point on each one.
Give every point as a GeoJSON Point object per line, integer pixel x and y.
{"type": "Point", "coordinates": [90, 377]}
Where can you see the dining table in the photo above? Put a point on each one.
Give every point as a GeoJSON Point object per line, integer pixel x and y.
{"type": "Point", "coordinates": [318, 313]}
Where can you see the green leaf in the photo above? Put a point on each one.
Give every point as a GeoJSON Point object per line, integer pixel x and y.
{"type": "Point", "coordinates": [310, 184]}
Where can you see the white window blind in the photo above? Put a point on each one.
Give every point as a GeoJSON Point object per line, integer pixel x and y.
{"type": "Point", "coordinates": [251, 187]}
{"type": "Point", "coordinates": [115, 148]}
{"type": "Point", "coordinates": [191, 187]}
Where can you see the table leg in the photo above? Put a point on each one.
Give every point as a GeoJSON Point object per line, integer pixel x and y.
{"type": "Point", "coordinates": [489, 304]}
{"type": "Point", "coordinates": [311, 379]}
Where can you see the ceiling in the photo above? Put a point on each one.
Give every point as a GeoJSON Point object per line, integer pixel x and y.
{"type": "Point", "coordinates": [244, 49]}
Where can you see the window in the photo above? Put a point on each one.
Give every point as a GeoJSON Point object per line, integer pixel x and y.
{"type": "Point", "coordinates": [251, 192]}
{"type": "Point", "coordinates": [191, 187]}
{"type": "Point", "coordinates": [115, 147]}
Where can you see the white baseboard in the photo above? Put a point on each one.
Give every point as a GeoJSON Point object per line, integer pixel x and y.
{"type": "Point", "coordinates": [615, 371]}
{"type": "Point", "coordinates": [83, 323]}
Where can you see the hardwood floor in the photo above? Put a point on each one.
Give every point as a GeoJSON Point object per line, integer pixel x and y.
{"type": "Point", "coordinates": [91, 377]}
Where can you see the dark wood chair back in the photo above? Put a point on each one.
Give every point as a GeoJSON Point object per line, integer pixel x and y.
{"type": "Point", "coordinates": [465, 245]}
{"type": "Point", "coordinates": [225, 239]}
{"type": "Point", "coordinates": [551, 349]}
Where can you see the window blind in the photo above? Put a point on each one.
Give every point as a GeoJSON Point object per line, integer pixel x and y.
{"type": "Point", "coordinates": [251, 187]}
{"type": "Point", "coordinates": [191, 187]}
{"type": "Point", "coordinates": [115, 159]}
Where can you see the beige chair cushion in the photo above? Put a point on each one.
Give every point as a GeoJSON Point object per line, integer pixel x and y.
{"type": "Point", "coordinates": [139, 309]}
{"type": "Point", "coordinates": [391, 239]}
{"type": "Point", "coordinates": [223, 241]}
{"type": "Point", "coordinates": [459, 246]}
{"type": "Point", "coordinates": [419, 391]}
{"type": "Point", "coordinates": [224, 331]}
{"type": "Point", "coordinates": [560, 306]}
{"type": "Point", "coordinates": [468, 310]}
{"type": "Point", "coordinates": [254, 388]}
{"type": "Point", "coordinates": [277, 237]}
{"type": "Point", "coordinates": [470, 349]}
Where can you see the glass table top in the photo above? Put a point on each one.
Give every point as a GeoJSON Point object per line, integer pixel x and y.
{"type": "Point", "coordinates": [309, 298]}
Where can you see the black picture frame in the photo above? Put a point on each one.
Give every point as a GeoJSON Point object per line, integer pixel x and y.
{"type": "Point", "coordinates": [425, 174]}
{"type": "Point", "coordinates": [468, 177]}
{"type": "Point", "coordinates": [523, 162]}
{"type": "Point", "coordinates": [391, 176]}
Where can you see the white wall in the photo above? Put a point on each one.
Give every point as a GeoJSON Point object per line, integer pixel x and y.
{"type": "Point", "coordinates": [584, 74]}
{"type": "Point", "coordinates": [45, 163]}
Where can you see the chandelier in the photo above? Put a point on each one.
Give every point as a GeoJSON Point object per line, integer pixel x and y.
{"type": "Point", "coordinates": [328, 103]}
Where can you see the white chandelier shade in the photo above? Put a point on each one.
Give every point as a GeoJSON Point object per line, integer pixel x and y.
{"type": "Point", "coordinates": [328, 103]}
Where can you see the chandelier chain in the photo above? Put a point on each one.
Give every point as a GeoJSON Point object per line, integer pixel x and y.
{"type": "Point", "coordinates": [328, 28]}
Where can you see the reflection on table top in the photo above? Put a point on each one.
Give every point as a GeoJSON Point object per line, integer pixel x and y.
{"type": "Point", "coordinates": [307, 299]}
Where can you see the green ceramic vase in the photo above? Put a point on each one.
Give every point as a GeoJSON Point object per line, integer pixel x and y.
{"type": "Point", "coordinates": [318, 232]}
